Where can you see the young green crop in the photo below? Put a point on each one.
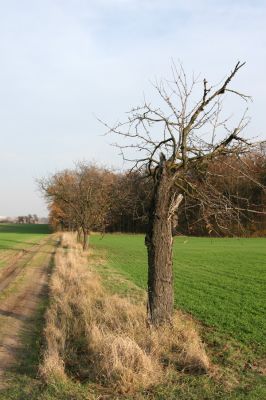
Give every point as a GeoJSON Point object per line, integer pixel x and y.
{"type": "Point", "coordinates": [20, 235]}
{"type": "Point", "coordinates": [16, 238]}
{"type": "Point", "coordinates": [219, 281]}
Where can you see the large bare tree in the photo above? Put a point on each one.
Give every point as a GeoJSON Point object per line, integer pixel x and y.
{"type": "Point", "coordinates": [178, 140]}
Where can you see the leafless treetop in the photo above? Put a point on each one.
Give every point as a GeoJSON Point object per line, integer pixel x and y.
{"type": "Point", "coordinates": [175, 130]}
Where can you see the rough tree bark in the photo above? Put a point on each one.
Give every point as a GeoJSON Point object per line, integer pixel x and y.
{"type": "Point", "coordinates": [159, 243]}
{"type": "Point", "coordinates": [159, 246]}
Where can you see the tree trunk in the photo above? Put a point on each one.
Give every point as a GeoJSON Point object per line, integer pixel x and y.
{"type": "Point", "coordinates": [79, 233]}
{"type": "Point", "coordinates": [85, 239]}
{"type": "Point", "coordinates": [159, 242]}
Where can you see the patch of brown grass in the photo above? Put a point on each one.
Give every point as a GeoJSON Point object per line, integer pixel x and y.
{"type": "Point", "coordinates": [91, 334]}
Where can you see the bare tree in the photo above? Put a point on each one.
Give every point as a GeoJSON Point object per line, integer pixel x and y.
{"type": "Point", "coordinates": [178, 140]}
{"type": "Point", "coordinates": [79, 198]}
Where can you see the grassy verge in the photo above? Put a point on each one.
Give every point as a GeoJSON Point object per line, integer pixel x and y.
{"type": "Point", "coordinates": [100, 338]}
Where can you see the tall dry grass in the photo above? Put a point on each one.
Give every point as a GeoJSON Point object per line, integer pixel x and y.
{"type": "Point", "coordinates": [104, 338]}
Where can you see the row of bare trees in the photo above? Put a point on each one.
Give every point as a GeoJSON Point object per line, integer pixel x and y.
{"type": "Point", "coordinates": [192, 168]}
{"type": "Point", "coordinates": [90, 198]}
{"type": "Point", "coordinates": [27, 219]}
{"type": "Point", "coordinates": [241, 180]}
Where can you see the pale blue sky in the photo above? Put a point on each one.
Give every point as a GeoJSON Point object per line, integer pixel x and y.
{"type": "Point", "coordinates": [61, 62]}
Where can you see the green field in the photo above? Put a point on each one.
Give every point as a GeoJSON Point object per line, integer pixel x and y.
{"type": "Point", "coordinates": [221, 282]}
{"type": "Point", "coordinates": [18, 237]}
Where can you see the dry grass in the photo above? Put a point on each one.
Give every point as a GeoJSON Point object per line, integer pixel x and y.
{"type": "Point", "coordinates": [104, 338]}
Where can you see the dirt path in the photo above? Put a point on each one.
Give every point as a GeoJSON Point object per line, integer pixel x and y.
{"type": "Point", "coordinates": [16, 264]}
{"type": "Point", "coordinates": [24, 284]}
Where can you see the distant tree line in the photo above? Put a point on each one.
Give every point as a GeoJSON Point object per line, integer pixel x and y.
{"type": "Point", "coordinates": [27, 219]}
{"type": "Point", "coordinates": [90, 198]}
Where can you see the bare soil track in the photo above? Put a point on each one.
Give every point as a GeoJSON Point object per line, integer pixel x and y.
{"type": "Point", "coordinates": [16, 264]}
{"type": "Point", "coordinates": [22, 284]}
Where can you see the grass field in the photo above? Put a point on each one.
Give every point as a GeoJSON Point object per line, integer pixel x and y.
{"type": "Point", "coordinates": [13, 235]}
{"type": "Point", "coordinates": [221, 282]}
{"type": "Point", "coordinates": [19, 237]}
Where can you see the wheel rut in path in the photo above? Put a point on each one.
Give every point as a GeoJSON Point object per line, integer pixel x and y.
{"type": "Point", "coordinates": [20, 305]}
{"type": "Point", "coordinates": [13, 269]}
